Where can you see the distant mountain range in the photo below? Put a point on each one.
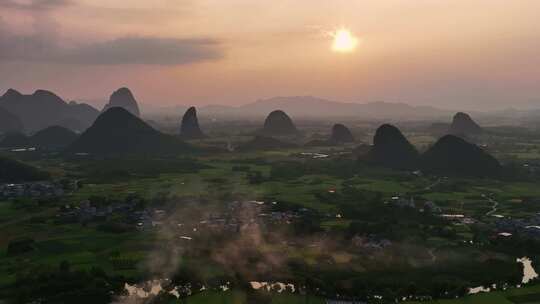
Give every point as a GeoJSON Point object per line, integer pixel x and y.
{"type": "Point", "coordinates": [44, 108]}
{"type": "Point", "coordinates": [311, 107]}
{"type": "Point", "coordinates": [32, 112]}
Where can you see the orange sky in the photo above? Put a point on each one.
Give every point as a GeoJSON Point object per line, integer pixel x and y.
{"type": "Point", "coordinates": [451, 53]}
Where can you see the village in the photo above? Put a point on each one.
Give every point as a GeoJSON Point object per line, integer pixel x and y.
{"type": "Point", "coordinates": [236, 215]}
{"type": "Point", "coordinates": [31, 190]}
{"type": "Point", "coordinates": [528, 227]}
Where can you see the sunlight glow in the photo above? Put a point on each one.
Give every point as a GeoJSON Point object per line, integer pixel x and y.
{"type": "Point", "coordinates": [344, 41]}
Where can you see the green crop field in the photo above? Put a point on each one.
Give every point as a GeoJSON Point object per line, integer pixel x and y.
{"type": "Point", "coordinates": [310, 221]}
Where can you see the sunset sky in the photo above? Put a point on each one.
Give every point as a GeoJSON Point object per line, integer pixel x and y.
{"type": "Point", "coordinates": [446, 53]}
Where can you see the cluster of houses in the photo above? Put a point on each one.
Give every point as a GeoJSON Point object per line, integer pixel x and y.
{"type": "Point", "coordinates": [528, 227]}
{"type": "Point", "coordinates": [505, 227]}
{"type": "Point", "coordinates": [148, 218]}
{"type": "Point", "coordinates": [431, 207]}
{"type": "Point", "coordinates": [532, 167]}
{"type": "Point", "coordinates": [370, 242]}
{"type": "Point", "coordinates": [31, 190]}
{"type": "Point", "coordinates": [403, 202]}
{"type": "Point", "coordinates": [140, 219]}
{"type": "Point", "coordinates": [217, 222]}
{"type": "Point", "coordinates": [236, 217]}
{"type": "Point", "coordinates": [85, 212]}
{"type": "Point", "coordinates": [281, 217]}
{"type": "Point", "coordinates": [240, 215]}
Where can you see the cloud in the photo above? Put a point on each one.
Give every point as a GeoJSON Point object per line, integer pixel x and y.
{"type": "Point", "coordinates": [157, 13]}
{"type": "Point", "coordinates": [34, 5]}
{"type": "Point", "coordinates": [121, 51]}
{"type": "Point", "coordinates": [143, 50]}
{"type": "Point", "coordinates": [45, 45]}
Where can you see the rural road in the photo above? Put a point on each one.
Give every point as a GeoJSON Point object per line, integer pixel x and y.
{"type": "Point", "coordinates": [493, 207]}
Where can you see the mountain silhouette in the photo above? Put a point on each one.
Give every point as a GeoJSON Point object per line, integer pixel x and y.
{"type": "Point", "coordinates": [315, 107]}
{"type": "Point", "coordinates": [81, 117]}
{"type": "Point", "coordinates": [189, 128]}
{"type": "Point", "coordinates": [341, 134]}
{"type": "Point", "coordinates": [43, 109]}
{"type": "Point", "coordinates": [438, 129]}
{"type": "Point", "coordinates": [278, 123]}
{"type": "Point", "coordinates": [453, 155]}
{"type": "Point", "coordinates": [464, 125]}
{"type": "Point", "coordinates": [9, 122]}
{"type": "Point", "coordinates": [123, 98]}
{"type": "Point", "coordinates": [50, 138]}
{"type": "Point", "coordinates": [311, 107]}
{"type": "Point", "coordinates": [391, 149]}
{"type": "Point", "coordinates": [54, 137]}
{"type": "Point", "coordinates": [12, 171]}
{"type": "Point", "coordinates": [118, 132]}
{"type": "Point", "coordinates": [16, 140]}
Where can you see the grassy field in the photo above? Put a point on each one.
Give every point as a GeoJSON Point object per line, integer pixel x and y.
{"type": "Point", "coordinates": [238, 297]}
{"type": "Point", "coordinates": [220, 180]}
{"type": "Point", "coordinates": [526, 295]}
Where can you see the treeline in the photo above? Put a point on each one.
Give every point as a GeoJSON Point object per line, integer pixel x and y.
{"type": "Point", "coordinates": [13, 171]}
{"type": "Point", "coordinates": [61, 284]}
{"type": "Point", "coordinates": [445, 281]}
{"type": "Point", "coordinates": [114, 170]}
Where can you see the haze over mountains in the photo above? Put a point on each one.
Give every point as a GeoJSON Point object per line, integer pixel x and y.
{"type": "Point", "coordinates": [119, 130]}
{"type": "Point", "coordinates": [43, 108]}
{"type": "Point", "coordinates": [312, 107]}
{"type": "Point", "coordinates": [463, 124]}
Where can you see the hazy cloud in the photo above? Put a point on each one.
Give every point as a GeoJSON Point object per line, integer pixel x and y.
{"type": "Point", "coordinates": [158, 13]}
{"type": "Point", "coordinates": [128, 50]}
{"type": "Point", "coordinates": [140, 50]}
{"type": "Point", "coordinates": [33, 5]}
{"type": "Point", "coordinates": [46, 45]}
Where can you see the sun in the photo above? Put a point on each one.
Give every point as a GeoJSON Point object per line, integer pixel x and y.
{"type": "Point", "coordinates": [344, 41]}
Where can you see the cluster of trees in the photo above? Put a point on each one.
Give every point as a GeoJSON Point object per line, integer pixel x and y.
{"type": "Point", "coordinates": [115, 170]}
{"type": "Point", "coordinates": [443, 281]}
{"type": "Point", "coordinates": [12, 171]}
{"type": "Point", "coordinates": [62, 284]}
{"type": "Point", "coordinates": [343, 168]}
